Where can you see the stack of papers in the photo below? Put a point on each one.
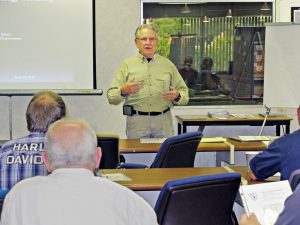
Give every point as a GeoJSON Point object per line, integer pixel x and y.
{"type": "Point", "coordinates": [116, 177]}
{"type": "Point", "coordinates": [272, 114]}
{"type": "Point", "coordinates": [152, 140]}
{"type": "Point", "coordinates": [219, 115]}
{"type": "Point", "coordinates": [242, 115]}
{"type": "Point", "coordinates": [213, 139]}
{"type": "Point", "coordinates": [250, 138]}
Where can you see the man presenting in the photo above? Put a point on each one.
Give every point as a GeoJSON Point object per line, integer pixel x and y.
{"type": "Point", "coordinates": [150, 85]}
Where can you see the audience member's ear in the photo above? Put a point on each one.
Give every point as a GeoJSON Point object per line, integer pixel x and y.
{"type": "Point", "coordinates": [298, 115]}
{"type": "Point", "coordinates": [98, 157]}
{"type": "Point", "coordinates": [45, 160]}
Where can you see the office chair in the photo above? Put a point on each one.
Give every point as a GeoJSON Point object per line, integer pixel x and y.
{"type": "Point", "coordinates": [176, 151]}
{"type": "Point", "coordinates": [294, 179]}
{"type": "Point", "coordinates": [206, 200]}
{"type": "Point", "coordinates": [3, 193]}
{"type": "Point", "coordinates": [109, 144]}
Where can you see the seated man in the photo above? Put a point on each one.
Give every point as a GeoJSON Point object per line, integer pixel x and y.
{"type": "Point", "coordinates": [282, 156]}
{"type": "Point", "coordinates": [71, 194]}
{"type": "Point", "coordinates": [21, 158]}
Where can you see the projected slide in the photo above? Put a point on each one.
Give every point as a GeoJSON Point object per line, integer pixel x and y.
{"type": "Point", "coordinates": [46, 44]}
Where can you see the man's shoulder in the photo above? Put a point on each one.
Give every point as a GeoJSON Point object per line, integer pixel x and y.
{"type": "Point", "coordinates": [289, 137]}
{"type": "Point", "coordinates": [162, 58]}
{"type": "Point", "coordinates": [132, 58]}
{"type": "Point", "coordinates": [29, 184]}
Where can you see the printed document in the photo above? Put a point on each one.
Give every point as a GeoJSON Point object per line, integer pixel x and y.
{"type": "Point", "coordinates": [265, 200]}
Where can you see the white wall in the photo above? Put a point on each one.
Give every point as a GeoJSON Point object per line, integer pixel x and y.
{"type": "Point", "coordinates": [285, 9]}
{"type": "Point", "coordinates": [116, 22]}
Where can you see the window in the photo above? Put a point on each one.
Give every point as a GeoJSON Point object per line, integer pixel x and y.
{"type": "Point", "coordinates": [218, 47]}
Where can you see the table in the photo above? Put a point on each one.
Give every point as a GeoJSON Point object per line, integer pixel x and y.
{"type": "Point", "coordinates": [224, 151]}
{"type": "Point", "coordinates": [148, 182]}
{"type": "Point", "coordinates": [135, 146]}
{"type": "Point", "coordinates": [184, 121]}
{"type": "Point", "coordinates": [154, 179]}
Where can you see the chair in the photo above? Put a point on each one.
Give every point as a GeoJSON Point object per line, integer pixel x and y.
{"type": "Point", "coordinates": [294, 179]}
{"type": "Point", "coordinates": [109, 144]}
{"type": "Point", "coordinates": [3, 193]}
{"type": "Point", "coordinates": [206, 200]}
{"type": "Point", "coordinates": [176, 151]}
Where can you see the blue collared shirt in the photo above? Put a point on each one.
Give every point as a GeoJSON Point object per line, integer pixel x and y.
{"type": "Point", "coordinates": [283, 156]}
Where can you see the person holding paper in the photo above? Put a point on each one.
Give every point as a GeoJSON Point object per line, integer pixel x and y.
{"type": "Point", "coordinates": [282, 156]}
{"type": "Point", "coordinates": [150, 84]}
{"type": "Point", "coordinates": [289, 216]}
{"type": "Point", "coordinates": [251, 220]}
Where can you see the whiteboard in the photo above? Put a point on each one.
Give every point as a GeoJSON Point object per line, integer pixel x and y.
{"type": "Point", "coordinates": [46, 44]}
{"type": "Point", "coordinates": [282, 65]}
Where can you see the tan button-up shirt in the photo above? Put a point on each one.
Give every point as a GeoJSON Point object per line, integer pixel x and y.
{"type": "Point", "coordinates": [157, 76]}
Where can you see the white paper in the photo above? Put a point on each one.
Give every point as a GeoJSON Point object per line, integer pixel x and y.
{"type": "Point", "coordinates": [251, 138]}
{"type": "Point", "coordinates": [265, 200]}
{"type": "Point", "coordinates": [212, 139]}
{"type": "Point", "coordinates": [152, 140]}
{"type": "Point", "coordinates": [116, 177]}
{"type": "Point", "coordinates": [242, 115]}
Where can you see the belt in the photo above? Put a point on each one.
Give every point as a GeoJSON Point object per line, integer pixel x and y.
{"type": "Point", "coordinates": [149, 113]}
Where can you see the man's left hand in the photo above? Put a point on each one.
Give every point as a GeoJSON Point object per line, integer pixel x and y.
{"type": "Point", "coordinates": [171, 94]}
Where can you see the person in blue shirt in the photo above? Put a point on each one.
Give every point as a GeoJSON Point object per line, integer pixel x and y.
{"type": "Point", "coordinates": [21, 158]}
{"type": "Point", "coordinates": [283, 156]}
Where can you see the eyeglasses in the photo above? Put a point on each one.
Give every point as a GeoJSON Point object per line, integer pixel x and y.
{"type": "Point", "coordinates": [144, 39]}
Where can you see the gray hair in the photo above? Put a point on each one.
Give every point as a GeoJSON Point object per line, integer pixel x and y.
{"type": "Point", "coordinates": [44, 108]}
{"type": "Point", "coordinates": [70, 143]}
{"type": "Point", "coordinates": [144, 26]}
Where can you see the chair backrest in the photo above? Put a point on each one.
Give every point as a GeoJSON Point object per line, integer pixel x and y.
{"type": "Point", "coordinates": [109, 144]}
{"type": "Point", "coordinates": [199, 200]}
{"type": "Point", "coordinates": [178, 151]}
{"type": "Point", "coordinates": [3, 193]}
{"type": "Point", "coordinates": [294, 179]}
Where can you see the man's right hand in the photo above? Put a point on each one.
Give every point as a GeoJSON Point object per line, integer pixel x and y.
{"type": "Point", "coordinates": [251, 175]}
{"type": "Point", "coordinates": [131, 87]}
{"type": "Point", "coordinates": [251, 220]}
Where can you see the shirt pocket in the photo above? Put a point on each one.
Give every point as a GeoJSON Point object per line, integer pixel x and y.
{"type": "Point", "coordinates": [163, 84]}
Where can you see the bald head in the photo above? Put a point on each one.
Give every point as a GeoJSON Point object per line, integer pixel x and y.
{"type": "Point", "coordinates": [71, 144]}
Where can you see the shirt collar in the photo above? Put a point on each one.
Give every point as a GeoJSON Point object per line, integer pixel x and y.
{"type": "Point", "coordinates": [144, 59]}
{"type": "Point", "coordinates": [72, 171]}
{"type": "Point", "coordinates": [36, 134]}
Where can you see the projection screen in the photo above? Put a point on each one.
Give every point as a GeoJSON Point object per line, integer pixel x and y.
{"type": "Point", "coordinates": [47, 44]}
